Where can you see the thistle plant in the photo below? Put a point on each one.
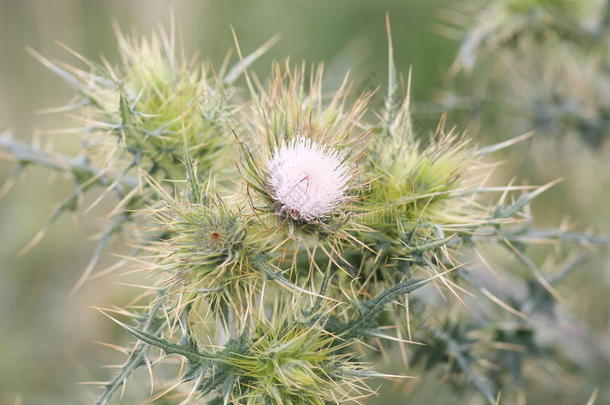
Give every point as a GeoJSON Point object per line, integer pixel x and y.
{"type": "Point", "coordinates": [291, 235]}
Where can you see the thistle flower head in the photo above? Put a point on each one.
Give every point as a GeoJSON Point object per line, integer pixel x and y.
{"type": "Point", "coordinates": [285, 361]}
{"type": "Point", "coordinates": [208, 236]}
{"type": "Point", "coordinates": [416, 183]}
{"type": "Point", "coordinates": [168, 102]}
{"type": "Point", "coordinates": [207, 254]}
{"type": "Point", "coordinates": [308, 180]}
{"type": "Point", "coordinates": [417, 194]}
{"type": "Point", "coordinates": [151, 106]}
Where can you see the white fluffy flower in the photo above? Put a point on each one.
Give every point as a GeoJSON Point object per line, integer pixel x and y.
{"type": "Point", "coordinates": [307, 179]}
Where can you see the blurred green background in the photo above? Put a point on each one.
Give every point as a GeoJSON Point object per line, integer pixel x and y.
{"type": "Point", "coordinates": [46, 336]}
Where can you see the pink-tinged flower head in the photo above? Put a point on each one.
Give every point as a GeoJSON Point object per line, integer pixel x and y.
{"type": "Point", "coordinates": [307, 179]}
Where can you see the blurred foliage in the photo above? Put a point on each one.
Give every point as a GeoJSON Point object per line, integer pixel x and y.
{"type": "Point", "coordinates": [535, 65]}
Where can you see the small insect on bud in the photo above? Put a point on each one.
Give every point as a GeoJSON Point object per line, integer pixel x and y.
{"type": "Point", "coordinates": [308, 180]}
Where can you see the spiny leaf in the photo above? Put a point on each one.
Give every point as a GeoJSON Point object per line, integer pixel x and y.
{"type": "Point", "coordinates": [137, 357]}
{"type": "Point", "coordinates": [453, 348]}
{"type": "Point", "coordinates": [523, 201]}
{"type": "Point", "coordinates": [194, 356]}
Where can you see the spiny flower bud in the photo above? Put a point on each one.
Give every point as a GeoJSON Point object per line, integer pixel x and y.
{"type": "Point", "coordinates": [307, 179]}
{"type": "Point", "coordinates": [207, 254]}
{"type": "Point", "coordinates": [288, 362]}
